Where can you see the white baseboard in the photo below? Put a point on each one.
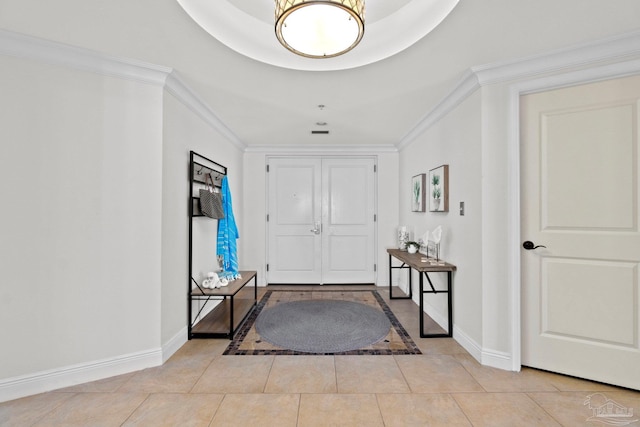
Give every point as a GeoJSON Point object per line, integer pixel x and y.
{"type": "Point", "coordinates": [174, 344]}
{"type": "Point", "coordinates": [486, 357]}
{"type": "Point", "coordinates": [472, 347]}
{"type": "Point", "coordinates": [497, 359]}
{"type": "Point", "coordinates": [43, 381]}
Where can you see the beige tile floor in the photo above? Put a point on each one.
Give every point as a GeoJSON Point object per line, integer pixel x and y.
{"type": "Point", "coordinates": [444, 386]}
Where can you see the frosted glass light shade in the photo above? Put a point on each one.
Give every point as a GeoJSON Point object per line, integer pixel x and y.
{"type": "Point", "coordinates": [319, 28]}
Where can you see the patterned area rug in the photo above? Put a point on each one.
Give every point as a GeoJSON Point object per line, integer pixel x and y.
{"type": "Point", "coordinates": [248, 342]}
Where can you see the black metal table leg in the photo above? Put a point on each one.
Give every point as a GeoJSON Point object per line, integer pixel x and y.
{"type": "Point", "coordinates": [421, 282]}
{"type": "Point", "coordinates": [433, 290]}
{"type": "Point", "coordinates": [391, 268]}
{"type": "Point", "coordinates": [450, 303]}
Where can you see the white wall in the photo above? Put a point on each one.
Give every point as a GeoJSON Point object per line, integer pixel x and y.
{"type": "Point", "coordinates": [80, 177]}
{"type": "Point", "coordinates": [454, 140]}
{"type": "Point", "coordinates": [255, 205]}
{"type": "Point", "coordinates": [388, 213]}
{"type": "Point", "coordinates": [496, 167]}
{"type": "Point", "coordinates": [94, 253]}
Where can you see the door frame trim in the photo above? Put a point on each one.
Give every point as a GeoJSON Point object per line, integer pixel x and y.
{"type": "Point", "coordinates": [516, 90]}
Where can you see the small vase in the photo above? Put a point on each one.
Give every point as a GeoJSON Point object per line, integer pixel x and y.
{"type": "Point", "coordinates": [412, 249]}
{"type": "Point", "coordinates": [403, 237]}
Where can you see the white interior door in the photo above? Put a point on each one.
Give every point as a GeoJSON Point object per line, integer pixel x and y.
{"type": "Point", "coordinates": [321, 220]}
{"type": "Point", "coordinates": [294, 221]}
{"type": "Point", "coordinates": [579, 165]}
{"type": "Point", "coordinates": [348, 210]}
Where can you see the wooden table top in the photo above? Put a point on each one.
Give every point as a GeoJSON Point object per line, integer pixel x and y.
{"type": "Point", "coordinates": [231, 289]}
{"type": "Point", "coordinates": [420, 261]}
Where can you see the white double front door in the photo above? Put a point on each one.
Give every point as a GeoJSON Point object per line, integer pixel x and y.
{"type": "Point", "coordinates": [321, 220]}
{"type": "Point", "coordinates": [580, 198]}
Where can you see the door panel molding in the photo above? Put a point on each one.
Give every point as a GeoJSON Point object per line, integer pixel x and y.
{"type": "Point", "coordinates": [581, 292]}
{"type": "Point", "coordinates": [337, 213]}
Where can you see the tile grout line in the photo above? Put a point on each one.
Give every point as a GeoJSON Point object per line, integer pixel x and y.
{"type": "Point", "coordinates": [266, 381]}
{"type": "Point", "coordinates": [404, 377]}
{"type": "Point", "coordinates": [298, 411]}
{"type": "Point", "coordinates": [201, 374]}
{"type": "Point", "coordinates": [384, 423]}
{"type": "Point", "coordinates": [471, 374]}
{"type": "Point", "coordinates": [452, 395]}
{"type": "Point", "coordinates": [535, 402]}
{"type": "Point", "coordinates": [335, 374]}
{"type": "Point", "coordinates": [224, 396]}
{"type": "Point", "coordinates": [136, 408]}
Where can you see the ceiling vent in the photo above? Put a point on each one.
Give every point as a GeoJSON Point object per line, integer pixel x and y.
{"type": "Point", "coordinates": [319, 132]}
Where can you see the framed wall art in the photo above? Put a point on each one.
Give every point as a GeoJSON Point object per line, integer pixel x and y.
{"type": "Point", "coordinates": [418, 197]}
{"type": "Point", "coordinates": [439, 189]}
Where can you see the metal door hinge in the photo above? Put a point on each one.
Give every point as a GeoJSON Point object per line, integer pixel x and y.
{"type": "Point", "coordinates": [267, 267]}
{"type": "Point", "coordinates": [375, 267]}
{"type": "Point", "coordinates": [267, 168]}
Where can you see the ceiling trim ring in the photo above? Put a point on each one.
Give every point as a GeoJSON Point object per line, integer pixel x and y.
{"type": "Point", "coordinates": [256, 39]}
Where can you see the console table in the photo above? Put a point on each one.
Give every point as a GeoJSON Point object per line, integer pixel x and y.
{"type": "Point", "coordinates": [415, 261]}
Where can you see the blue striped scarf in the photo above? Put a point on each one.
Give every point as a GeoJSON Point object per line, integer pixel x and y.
{"type": "Point", "coordinates": [227, 248]}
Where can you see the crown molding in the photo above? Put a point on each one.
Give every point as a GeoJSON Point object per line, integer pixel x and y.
{"type": "Point", "coordinates": [33, 48]}
{"type": "Point", "coordinates": [611, 49]}
{"type": "Point", "coordinates": [178, 88]}
{"type": "Point", "coordinates": [617, 51]}
{"type": "Point", "coordinates": [322, 149]}
{"type": "Point", "coordinates": [47, 51]}
{"type": "Point", "coordinates": [467, 85]}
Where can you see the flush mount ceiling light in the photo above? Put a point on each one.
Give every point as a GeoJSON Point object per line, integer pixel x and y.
{"type": "Point", "coordinates": [319, 28]}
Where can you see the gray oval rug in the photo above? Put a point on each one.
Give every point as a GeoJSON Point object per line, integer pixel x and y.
{"type": "Point", "coordinates": [322, 326]}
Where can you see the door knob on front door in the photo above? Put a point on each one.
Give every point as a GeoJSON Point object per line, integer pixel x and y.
{"type": "Point", "coordinates": [529, 245]}
{"type": "Point", "coordinates": [316, 229]}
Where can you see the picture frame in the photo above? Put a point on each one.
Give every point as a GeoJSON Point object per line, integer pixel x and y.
{"type": "Point", "coordinates": [439, 189]}
{"type": "Point", "coordinates": [418, 196]}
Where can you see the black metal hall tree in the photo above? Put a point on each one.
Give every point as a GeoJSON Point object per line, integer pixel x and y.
{"type": "Point", "coordinates": [227, 316]}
